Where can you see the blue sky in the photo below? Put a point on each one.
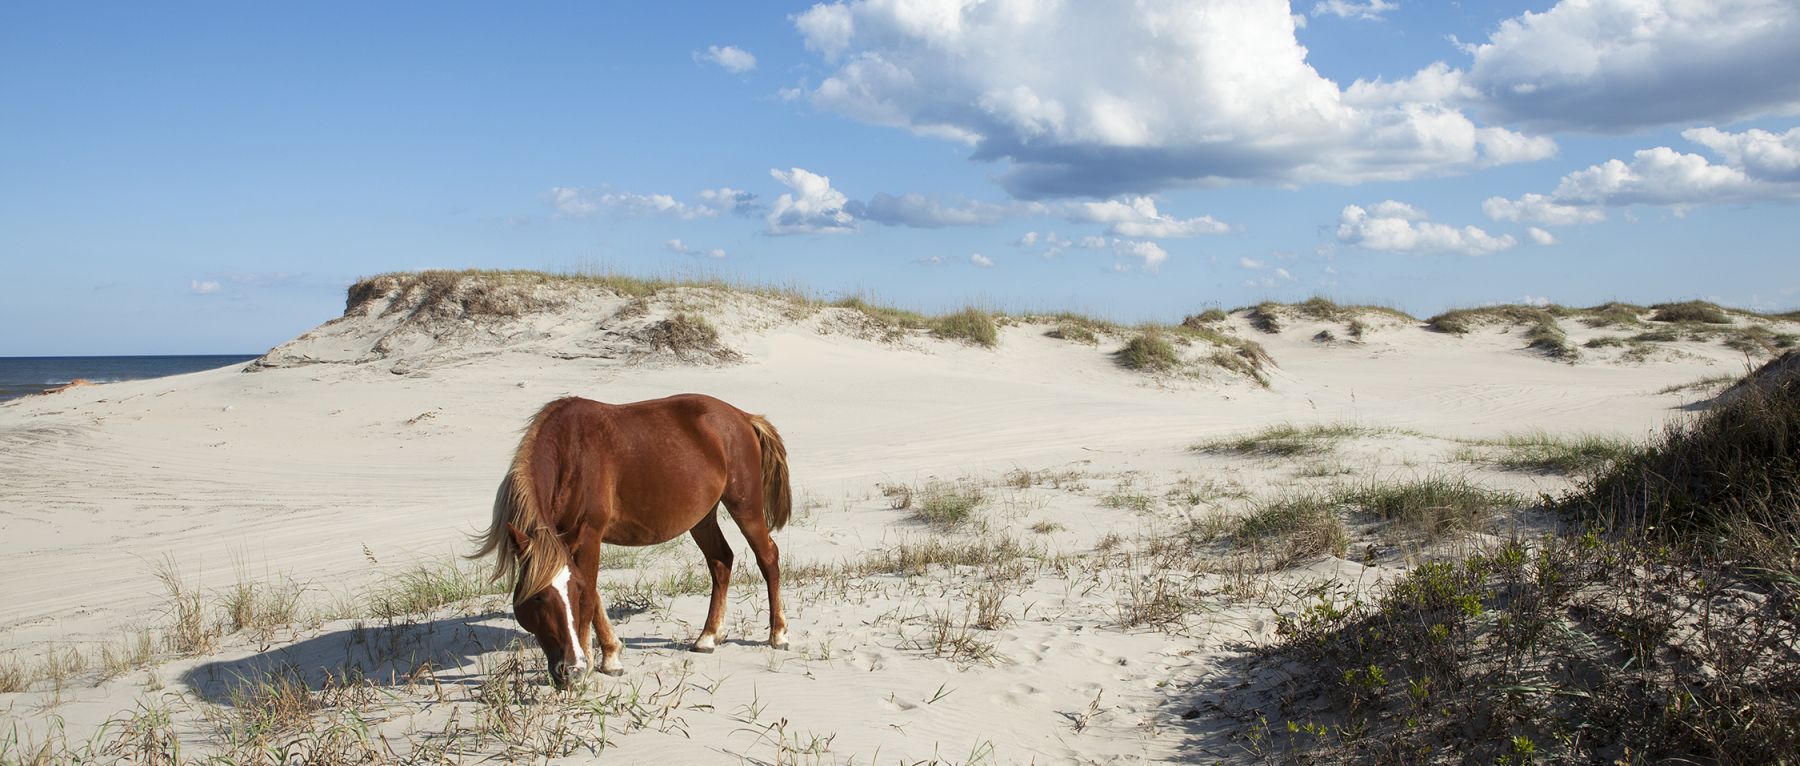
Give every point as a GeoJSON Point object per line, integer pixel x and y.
{"type": "Point", "coordinates": [209, 177]}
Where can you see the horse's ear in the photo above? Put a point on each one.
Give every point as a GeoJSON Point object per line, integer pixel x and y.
{"type": "Point", "coordinates": [520, 541]}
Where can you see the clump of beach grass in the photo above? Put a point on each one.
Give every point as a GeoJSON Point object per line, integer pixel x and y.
{"type": "Point", "coordinates": [1304, 524]}
{"type": "Point", "coordinates": [947, 504]}
{"type": "Point", "coordinates": [1265, 316]}
{"type": "Point", "coordinates": [1704, 312]}
{"type": "Point", "coordinates": [970, 325]}
{"type": "Point", "coordinates": [1463, 321]}
{"type": "Point", "coordinates": [1148, 351]}
{"type": "Point", "coordinates": [428, 586]}
{"type": "Point", "coordinates": [1612, 314]}
{"type": "Point", "coordinates": [1428, 507]}
{"type": "Point", "coordinates": [1288, 440]}
{"type": "Point", "coordinates": [687, 336]}
{"type": "Point", "coordinates": [1543, 452]}
{"type": "Point", "coordinates": [1548, 337]}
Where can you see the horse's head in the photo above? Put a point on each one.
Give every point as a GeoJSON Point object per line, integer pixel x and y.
{"type": "Point", "coordinates": [559, 613]}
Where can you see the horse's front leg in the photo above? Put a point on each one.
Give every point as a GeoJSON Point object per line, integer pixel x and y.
{"type": "Point", "coordinates": [587, 566]}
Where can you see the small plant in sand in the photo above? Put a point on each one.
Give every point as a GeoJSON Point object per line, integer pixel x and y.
{"type": "Point", "coordinates": [1304, 524]}
{"type": "Point", "coordinates": [948, 504]}
{"type": "Point", "coordinates": [1205, 318]}
{"type": "Point", "coordinates": [1148, 351]}
{"type": "Point", "coordinates": [429, 586]}
{"type": "Point", "coordinates": [1464, 321]}
{"type": "Point", "coordinates": [688, 336]}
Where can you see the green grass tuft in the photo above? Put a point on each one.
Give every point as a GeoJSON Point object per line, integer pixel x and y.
{"type": "Point", "coordinates": [1690, 311]}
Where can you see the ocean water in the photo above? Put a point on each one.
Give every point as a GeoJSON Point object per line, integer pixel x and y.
{"type": "Point", "coordinates": [24, 375]}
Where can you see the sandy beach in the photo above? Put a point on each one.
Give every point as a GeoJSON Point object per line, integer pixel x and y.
{"type": "Point", "coordinates": [371, 447]}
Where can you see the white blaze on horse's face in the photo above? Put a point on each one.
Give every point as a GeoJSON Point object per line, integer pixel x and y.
{"type": "Point", "coordinates": [577, 657]}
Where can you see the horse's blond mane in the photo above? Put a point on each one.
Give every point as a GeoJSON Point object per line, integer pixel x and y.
{"type": "Point", "coordinates": [516, 503]}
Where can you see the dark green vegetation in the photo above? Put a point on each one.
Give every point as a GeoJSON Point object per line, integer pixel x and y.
{"type": "Point", "coordinates": [1663, 627]}
{"type": "Point", "coordinates": [1288, 440]}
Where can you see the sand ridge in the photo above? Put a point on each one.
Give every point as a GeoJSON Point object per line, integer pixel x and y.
{"type": "Point", "coordinates": [376, 440]}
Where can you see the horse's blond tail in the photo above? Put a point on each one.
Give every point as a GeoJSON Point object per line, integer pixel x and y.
{"type": "Point", "coordinates": [778, 502]}
{"type": "Point", "coordinates": [516, 505]}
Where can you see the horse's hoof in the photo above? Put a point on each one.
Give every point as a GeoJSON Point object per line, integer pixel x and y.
{"type": "Point", "coordinates": [614, 672]}
{"type": "Point", "coordinates": [698, 649]}
{"type": "Point", "coordinates": [778, 644]}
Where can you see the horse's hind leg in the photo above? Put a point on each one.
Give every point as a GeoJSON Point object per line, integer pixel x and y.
{"type": "Point", "coordinates": [749, 518]}
{"type": "Point", "coordinates": [718, 562]}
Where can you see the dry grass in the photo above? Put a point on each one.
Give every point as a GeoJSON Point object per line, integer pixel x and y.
{"type": "Point", "coordinates": [689, 337]}
{"type": "Point", "coordinates": [1265, 316]}
{"type": "Point", "coordinates": [1702, 312]}
{"type": "Point", "coordinates": [1288, 440]}
{"type": "Point", "coordinates": [971, 325]}
{"type": "Point", "coordinates": [1464, 321]}
{"type": "Point", "coordinates": [947, 504]}
{"type": "Point", "coordinates": [1549, 338]}
{"type": "Point", "coordinates": [1542, 452]}
{"type": "Point", "coordinates": [429, 586]}
{"type": "Point", "coordinates": [1148, 351]}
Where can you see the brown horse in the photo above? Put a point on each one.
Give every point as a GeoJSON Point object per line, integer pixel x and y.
{"type": "Point", "coordinates": [588, 473]}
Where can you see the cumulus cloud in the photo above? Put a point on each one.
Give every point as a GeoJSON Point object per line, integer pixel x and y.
{"type": "Point", "coordinates": [981, 260]}
{"type": "Point", "coordinates": [734, 201]}
{"type": "Point", "coordinates": [677, 246]}
{"type": "Point", "coordinates": [1764, 155]}
{"type": "Point", "coordinates": [733, 59]}
{"type": "Point", "coordinates": [1092, 243]}
{"type": "Point", "coordinates": [575, 202]}
{"type": "Point", "coordinates": [810, 206]}
{"type": "Point", "coordinates": [923, 212]}
{"type": "Point", "coordinates": [1092, 99]}
{"type": "Point", "coordinates": [203, 287]}
{"type": "Point", "coordinates": [1401, 228]}
{"type": "Point", "coordinates": [1347, 9]}
{"type": "Point", "coordinates": [1538, 208]}
{"type": "Point", "coordinates": [1138, 217]}
{"type": "Point", "coordinates": [1540, 236]}
{"type": "Point", "coordinates": [1620, 65]}
{"type": "Point", "coordinates": [1149, 255]}
{"type": "Point", "coordinates": [1757, 166]}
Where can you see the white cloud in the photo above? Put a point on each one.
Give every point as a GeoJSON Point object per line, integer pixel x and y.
{"type": "Point", "coordinates": [1251, 263]}
{"type": "Point", "coordinates": [812, 206]}
{"type": "Point", "coordinates": [572, 202]}
{"type": "Point", "coordinates": [203, 287]}
{"type": "Point", "coordinates": [1027, 239]}
{"type": "Point", "coordinates": [1620, 65]}
{"type": "Point", "coordinates": [1758, 166]}
{"type": "Point", "coordinates": [1540, 236]}
{"type": "Point", "coordinates": [733, 59]}
{"type": "Point", "coordinates": [575, 202]}
{"type": "Point", "coordinates": [1537, 208]}
{"type": "Point", "coordinates": [1138, 217]}
{"type": "Point", "coordinates": [1092, 243]}
{"type": "Point", "coordinates": [1102, 99]}
{"type": "Point", "coordinates": [727, 199]}
{"type": "Point", "coordinates": [677, 246]}
{"type": "Point", "coordinates": [1764, 155]}
{"type": "Point", "coordinates": [981, 260]}
{"type": "Point", "coordinates": [1348, 9]}
{"type": "Point", "coordinates": [923, 212]}
{"type": "Point", "coordinates": [1397, 227]}
{"type": "Point", "coordinates": [1150, 255]}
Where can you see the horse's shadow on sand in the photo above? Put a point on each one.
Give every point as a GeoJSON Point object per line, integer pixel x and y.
{"type": "Point", "coordinates": [385, 655]}
{"type": "Point", "coordinates": [445, 652]}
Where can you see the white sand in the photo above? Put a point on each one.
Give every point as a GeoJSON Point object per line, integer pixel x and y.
{"type": "Point", "coordinates": [295, 471]}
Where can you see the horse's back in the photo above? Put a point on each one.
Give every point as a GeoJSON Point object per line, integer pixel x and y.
{"type": "Point", "coordinates": [668, 459]}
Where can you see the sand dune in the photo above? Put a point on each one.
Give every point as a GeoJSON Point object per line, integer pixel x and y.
{"type": "Point", "coordinates": [376, 440]}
